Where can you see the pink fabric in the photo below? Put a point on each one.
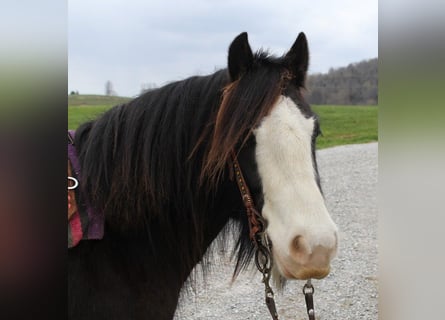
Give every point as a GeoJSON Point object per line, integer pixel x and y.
{"type": "Point", "coordinates": [75, 230]}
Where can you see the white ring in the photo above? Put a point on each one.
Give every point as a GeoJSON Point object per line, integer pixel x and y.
{"type": "Point", "coordinates": [76, 183]}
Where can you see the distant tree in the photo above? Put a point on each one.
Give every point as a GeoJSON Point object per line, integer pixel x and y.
{"type": "Point", "coordinates": [109, 91]}
{"type": "Point", "coordinates": [73, 93]}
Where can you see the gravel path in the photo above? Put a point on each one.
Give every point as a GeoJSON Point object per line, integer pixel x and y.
{"type": "Point", "coordinates": [349, 180]}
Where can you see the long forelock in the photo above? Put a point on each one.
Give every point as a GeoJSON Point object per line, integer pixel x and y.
{"type": "Point", "coordinates": [244, 103]}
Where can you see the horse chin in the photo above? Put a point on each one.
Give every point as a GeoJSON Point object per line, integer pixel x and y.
{"type": "Point", "coordinates": [281, 272]}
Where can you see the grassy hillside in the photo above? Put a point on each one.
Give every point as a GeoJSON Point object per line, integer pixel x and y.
{"type": "Point", "coordinates": [95, 100]}
{"type": "Point", "coordinates": [340, 124]}
{"type": "Point", "coordinates": [82, 108]}
{"type": "Point", "coordinates": [79, 115]}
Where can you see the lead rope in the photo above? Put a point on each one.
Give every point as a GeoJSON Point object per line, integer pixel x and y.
{"type": "Point", "coordinates": [263, 247]}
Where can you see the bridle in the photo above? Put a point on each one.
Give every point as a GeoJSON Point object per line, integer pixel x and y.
{"type": "Point", "coordinates": [263, 246]}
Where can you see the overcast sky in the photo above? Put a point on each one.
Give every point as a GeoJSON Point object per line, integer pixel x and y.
{"type": "Point", "coordinates": [134, 42]}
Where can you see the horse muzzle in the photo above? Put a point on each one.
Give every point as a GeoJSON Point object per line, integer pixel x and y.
{"type": "Point", "coordinates": [305, 262]}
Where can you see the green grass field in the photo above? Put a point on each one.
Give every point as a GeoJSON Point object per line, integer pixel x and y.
{"type": "Point", "coordinates": [347, 125]}
{"type": "Point", "coordinates": [340, 124]}
{"type": "Point", "coordinates": [80, 114]}
{"type": "Point", "coordinates": [82, 108]}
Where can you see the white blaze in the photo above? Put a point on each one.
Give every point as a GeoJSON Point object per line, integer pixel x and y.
{"type": "Point", "coordinates": [293, 203]}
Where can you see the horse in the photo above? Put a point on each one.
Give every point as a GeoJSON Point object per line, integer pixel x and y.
{"type": "Point", "coordinates": [160, 169]}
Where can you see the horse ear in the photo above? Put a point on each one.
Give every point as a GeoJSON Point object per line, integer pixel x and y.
{"type": "Point", "coordinates": [240, 56]}
{"type": "Point", "coordinates": [297, 59]}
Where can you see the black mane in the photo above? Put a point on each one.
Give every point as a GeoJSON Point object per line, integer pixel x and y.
{"type": "Point", "coordinates": [136, 164]}
{"type": "Point", "coordinates": [137, 154]}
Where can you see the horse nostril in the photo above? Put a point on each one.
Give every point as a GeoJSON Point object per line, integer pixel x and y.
{"type": "Point", "coordinates": [300, 249]}
{"type": "Point", "coordinates": [316, 255]}
{"type": "Point", "coordinates": [296, 243]}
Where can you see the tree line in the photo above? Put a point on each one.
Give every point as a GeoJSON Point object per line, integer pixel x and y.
{"type": "Point", "coordinates": [356, 84]}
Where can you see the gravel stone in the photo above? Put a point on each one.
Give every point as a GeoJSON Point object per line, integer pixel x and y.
{"type": "Point", "coordinates": [349, 180]}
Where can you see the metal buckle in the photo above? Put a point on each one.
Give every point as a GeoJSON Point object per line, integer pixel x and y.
{"type": "Point", "coordinates": [76, 183]}
{"type": "Point", "coordinates": [308, 291]}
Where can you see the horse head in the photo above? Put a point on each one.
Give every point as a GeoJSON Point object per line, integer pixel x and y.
{"type": "Point", "coordinates": [277, 155]}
